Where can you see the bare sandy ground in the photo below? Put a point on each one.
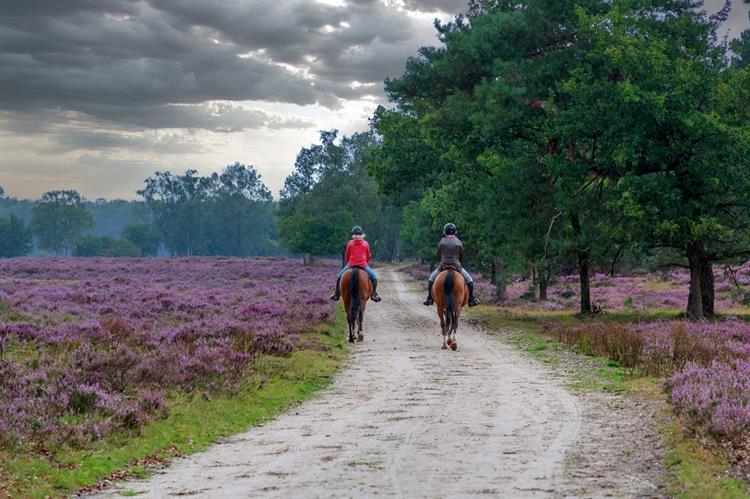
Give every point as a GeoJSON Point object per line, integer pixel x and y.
{"type": "Point", "coordinates": [408, 419]}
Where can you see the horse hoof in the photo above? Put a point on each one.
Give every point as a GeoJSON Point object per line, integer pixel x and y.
{"type": "Point", "coordinates": [454, 346]}
{"type": "Point", "coordinates": [360, 339]}
{"type": "Point", "coordinates": [445, 347]}
{"type": "Point", "coordinates": [351, 340]}
{"type": "Point", "coordinates": [449, 341]}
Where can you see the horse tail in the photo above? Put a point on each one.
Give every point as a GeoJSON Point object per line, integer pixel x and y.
{"type": "Point", "coordinates": [354, 293]}
{"type": "Point", "coordinates": [450, 307]}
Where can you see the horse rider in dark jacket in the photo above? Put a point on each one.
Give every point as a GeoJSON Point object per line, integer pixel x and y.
{"type": "Point", "coordinates": [450, 253]}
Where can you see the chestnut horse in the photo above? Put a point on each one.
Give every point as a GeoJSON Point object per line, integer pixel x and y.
{"type": "Point", "coordinates": [356, 289]}
{"type": "Point", "coordinates": [451, 294]}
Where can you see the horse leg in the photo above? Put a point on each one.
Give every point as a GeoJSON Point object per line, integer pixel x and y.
{"type": "Point", "coordinates": [351, 331]}
{"type": "Point", "coordinates": [443, 331]}
{"type": "Point", "coordinates": [360, 336]}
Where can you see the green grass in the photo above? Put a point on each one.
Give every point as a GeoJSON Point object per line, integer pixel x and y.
{"type": "Point", "coordinates": [195, 421]}
{"type": "Point", "coordinates": [695, 471]}
{"type": "Point", "coordinates": [596, 374]}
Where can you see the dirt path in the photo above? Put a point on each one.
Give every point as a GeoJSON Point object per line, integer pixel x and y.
{"type": "Point", "coordinates": [408, 419]}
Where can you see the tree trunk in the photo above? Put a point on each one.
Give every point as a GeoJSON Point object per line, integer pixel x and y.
{"type": "Point", "coordinates": [583, 267]}
{"type": "Point", "coordinates": [543, 280]}
{"type": "Point", "coordinates": [583, 272]}
{"type": "Point", "coordinates": [695, 301]}
{"type": "Point", "coordinates": [707, 287]}
{"type": "Point", "coordinates": [501, 283]}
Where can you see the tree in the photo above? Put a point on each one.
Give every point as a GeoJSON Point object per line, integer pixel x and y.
{"type": "Point", "coordinates": [227, 213]}
{"type": "Point", "coordinates": [547, 118]}
{"type": "Point", "coordinates": [328, 192]}
{"type": "Point", "coordinates": [741, 48]}
{"type": "Point", "coordinates": [479, 104]}
{"type": "Point", "coordinates": [240, 213]}
{"type": "Point", "coordinates": [144, 235]}
{"type": "Point", "coordinates": [176, 205]}
{"type": "Point", "coordinates": [15, 237]}
{"type": "Point", "coordinates": [105, 246]}
{"type": "Point", "coordinates": [660, 136]}
{"type": "Point", "coordinates": [58, 219]}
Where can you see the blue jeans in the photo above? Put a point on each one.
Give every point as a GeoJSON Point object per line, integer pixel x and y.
{"type": "Point", "coordinates": [466, 275]}
{"type": "Point", "coordinates": [369, 271]}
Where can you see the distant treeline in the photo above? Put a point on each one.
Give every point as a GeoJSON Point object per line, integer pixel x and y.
{"type": "Point", "coordinates": [227, 213]}
{"type": "Point", "coordinates": [561, 137]}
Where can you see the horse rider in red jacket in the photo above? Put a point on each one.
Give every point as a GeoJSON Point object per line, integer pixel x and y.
{"type": "Point", "coordinates": [358, 254]}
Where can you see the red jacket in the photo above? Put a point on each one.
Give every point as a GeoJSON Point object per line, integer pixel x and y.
{"type": "Point", "coordinates": [357, 253]}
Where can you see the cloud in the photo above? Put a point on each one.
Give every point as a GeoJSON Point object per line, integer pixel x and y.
{"type": "Point", "coordinates": [447, 6]}
{"type": "Point", "coordinates": [89, 55]}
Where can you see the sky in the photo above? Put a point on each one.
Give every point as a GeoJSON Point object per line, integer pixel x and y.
{"type": "Point", "coordinates": [97, 95]}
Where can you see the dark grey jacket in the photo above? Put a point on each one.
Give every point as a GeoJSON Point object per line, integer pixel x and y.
{"type": "Point", "coordinates": [450, 252]}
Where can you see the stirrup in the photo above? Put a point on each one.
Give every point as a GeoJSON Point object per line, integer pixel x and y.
{"type": "Point", "coordinates": [335, 296]}
{"type": "Point", "coordinates": [428, 302]}
{"type": "Point", "coordinates": [473, 301]}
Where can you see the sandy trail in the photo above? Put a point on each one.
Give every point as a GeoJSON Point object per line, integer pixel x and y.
{"type": "Point", "coordinates": [407, 419]}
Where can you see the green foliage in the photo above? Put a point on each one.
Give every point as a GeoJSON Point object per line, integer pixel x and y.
{"type": "Point", "coordinates": [144, 235]}
{"type": "Point", "coordinates": [328, 192]}
{"type": "Point", "coordinates": [227, 213]}
{"type": "Point", "coordinates": [561, 134]}
{"type": "Point", "coordinates": [58, 219]}
{"type": "Point", "coordinates": [15, 237]}
{"type": "Point", "coordinates": [741, 49]}
{"type": "Point", "coordinates": [105, 246]}
{"type": "Point", "coordinates": [418, 231]}
{"type": "Point", "coordinates": [111, 216]}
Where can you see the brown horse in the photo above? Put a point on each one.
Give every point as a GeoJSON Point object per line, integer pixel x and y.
{"type": "Point", "coordinates": [356, 289]}
{"type": "Point", "coordinates": [451, 295]}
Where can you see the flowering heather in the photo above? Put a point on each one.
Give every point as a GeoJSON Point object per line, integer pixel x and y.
{"type": "Point", "coordinates": [708, 364]}
{"type": "Point", "coordinates": [91, 345]}
{"type": "Point", "coordinates": [642, 292]}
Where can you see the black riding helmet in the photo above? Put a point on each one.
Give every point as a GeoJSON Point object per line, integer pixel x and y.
{"type": "Point", "coordinates": [357, 230]}
{"type": "Point", "coordinates": [449, 229]}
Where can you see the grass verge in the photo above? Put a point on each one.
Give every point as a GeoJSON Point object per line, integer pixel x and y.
{"type": "Point", "coordinates": [695, 471]}
{"type": "Point", "coordinates": [194, 422]}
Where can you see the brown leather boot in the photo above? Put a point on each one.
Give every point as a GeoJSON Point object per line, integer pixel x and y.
{"type": "Point", "coordinates": [375, 296]}
{"type": "Point", "coordinates": [473, 300]}
{"type": "Point", "coordinates": [337, 294]}
{"type": "Point", "coordinates": [429, 301]}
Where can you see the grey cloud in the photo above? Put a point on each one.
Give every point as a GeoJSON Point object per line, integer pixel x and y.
{"type": "Point", "coordinates": [90, 53]}
{"type": "Point", "coordinates": [171, 143]}
{"type": "Point", "coordinates": [447, 6]}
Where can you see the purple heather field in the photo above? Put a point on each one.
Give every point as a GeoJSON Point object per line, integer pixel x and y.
{"type": "Point", "coordinates": [706, 364]}
{"type": "Point", "coordinates": [92, 345]}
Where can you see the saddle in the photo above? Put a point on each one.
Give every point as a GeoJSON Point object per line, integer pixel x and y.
{"type": "Point", "coordinates": [450, 266]}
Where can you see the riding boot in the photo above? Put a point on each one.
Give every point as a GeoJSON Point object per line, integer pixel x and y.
{"type": "Point", "coordinates": [375, 296]}
{"type": "Point", "coordinates": [429, 300]}
{"type": "Point", "coordinates": [473, 300]}
{"type": "Point", "coordinates": [337, 294]}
